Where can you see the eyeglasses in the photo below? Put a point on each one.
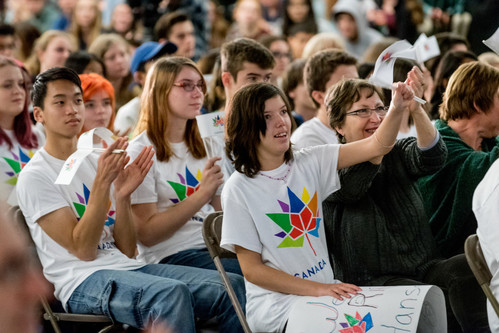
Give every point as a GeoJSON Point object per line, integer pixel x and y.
{"type": "Point", "coordinates": [189, 86]}
{"type": "Point", "coordinates": [279, 55]}
{"type": "Point", "coordinates": [366, 113]}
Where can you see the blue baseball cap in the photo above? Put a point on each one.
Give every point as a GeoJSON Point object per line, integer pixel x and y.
{"type": "Point", "coordinates": [148, 51]}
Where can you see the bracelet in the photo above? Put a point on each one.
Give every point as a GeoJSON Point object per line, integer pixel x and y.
{"type": "Point", "coordinates": [382, 145]}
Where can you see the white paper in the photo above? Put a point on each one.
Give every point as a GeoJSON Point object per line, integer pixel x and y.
{"type": "Point", "coordinates": [85, 147]}
{"type": "Point", "coordinates": [383, 69]}
{"type": "Point", "coordinates": [426, 48]}
{"type": "Point", "coordinates": [493, 42]}
{"type": "Point", "coordinates": [212, 129]}
{"type": "Point", "coordinates": [375, 309]}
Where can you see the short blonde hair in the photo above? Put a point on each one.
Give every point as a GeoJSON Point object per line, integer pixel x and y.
{"type": "Point", "coordinates": [471, 88]}
{"type": "Point", "coordinates": [323, 41]}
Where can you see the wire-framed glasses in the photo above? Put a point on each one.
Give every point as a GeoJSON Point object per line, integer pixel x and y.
{"type": "Point", "coordinates": [189, 85]}
{"type": "Point", "coordinates": [366, 113]}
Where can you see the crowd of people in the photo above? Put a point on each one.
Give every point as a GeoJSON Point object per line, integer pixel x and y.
{"type": "Point", "coordinates": [393, 187]}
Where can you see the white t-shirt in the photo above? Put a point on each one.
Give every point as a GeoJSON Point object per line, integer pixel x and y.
{"type": "Point", "coordinates": [313, 133]}
{"type": "Point", "coordinates": [262, 214]}
{"type": "Point", "coordinates": [127, 116]}
{"type": "Point", "coordinates": [486, 209]}
{"type": "Point", "coordinates": [166, 184]}
{"type": "Point", "coordinates": [39, 196]}
{"type": "Point", "coordinates": [12, 161]}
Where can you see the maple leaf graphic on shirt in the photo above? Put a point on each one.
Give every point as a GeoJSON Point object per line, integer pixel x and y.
{"type": "Point", "coordinates": [298, 220]}
{"type": "Point", "coordinates": [187, 186]}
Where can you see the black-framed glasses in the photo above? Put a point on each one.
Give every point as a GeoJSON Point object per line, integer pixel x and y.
{"type": "Point", "coordinates": [189, 86]}
{"type": "Point", "coordinates": [366, 113]}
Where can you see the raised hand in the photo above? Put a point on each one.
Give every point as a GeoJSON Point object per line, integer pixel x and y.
{"type": "Point", "coordinates": [415, 80]}
{"type": "Point", "coordinates": [212, 177]}
{"type": "Point", "coordinates": [110, 164]}
{"type": "Point", "coordinates": [402, 96]}
{"type": "Point", "coordinates": [131, 176]}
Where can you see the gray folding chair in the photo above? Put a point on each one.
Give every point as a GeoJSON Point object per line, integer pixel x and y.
{"type": "Point", "coordinates": [478, 265]}
{"type": "Point", "coordinates": [212, 230]}
{"type": "Point", "coordinates": [55, 317]}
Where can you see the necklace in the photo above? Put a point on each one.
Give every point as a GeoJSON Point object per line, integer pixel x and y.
{"type": "Point", "coordinates": [283, 178]}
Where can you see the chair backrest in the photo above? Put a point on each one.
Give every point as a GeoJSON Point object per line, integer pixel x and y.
{"type": "Point", "coordinates": [478, 265]}
{"type": "Point", "coordinates": [212, 231]}
{"type": "Point", "coordinates": [17, 215]}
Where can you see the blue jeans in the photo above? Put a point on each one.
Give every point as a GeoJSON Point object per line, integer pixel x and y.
{"type": "Point", "coordinates": [201, 258]}
{"type": "Point", "coordinates": [158, 294]}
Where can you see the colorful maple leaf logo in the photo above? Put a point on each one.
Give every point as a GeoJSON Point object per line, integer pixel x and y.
{"type": "Point", "coordinates": [217, 121]}
{"type": "Point", "coordinates": [298, 220]}
{"type": "Point", "coordinates": [81, 206]}
{"type": "Point", "coordinates": [187, 186]}
{"type": "Point", "coordinates": [357, 324]}
{"type": "Point", "coordinates": [70, 164]}
{"type": "Point", "coordinates": [17, 163]}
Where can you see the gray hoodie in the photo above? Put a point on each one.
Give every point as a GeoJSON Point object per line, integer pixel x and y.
{"type": "Point", "coordinates": [366, 35]}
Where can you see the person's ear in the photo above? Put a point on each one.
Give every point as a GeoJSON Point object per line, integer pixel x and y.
{"type": "Point", "coordinates": [318, 96]}
{"type": "Point", "coordinates": [38, 114]}
{"type": "Point", "coordinates": [292, 93]}
{"type": "Point", "coordinates": [140, 77]}
{"type": "Point", "coordinates": [227, 80]}
{"type": "Point", "coordinates": [340, 131]}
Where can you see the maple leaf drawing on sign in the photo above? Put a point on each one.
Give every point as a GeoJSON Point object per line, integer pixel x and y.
{"type": "Point", "coordinates": [187, 186]}
{"type": "Point", "coordinates": [298, 220]}
{"type": "Point", "coordinates": [218, 121]}
{"type": "Point", "coordinates": [357, 324]}
{"type": "Point", "coordinates": [17, 163]}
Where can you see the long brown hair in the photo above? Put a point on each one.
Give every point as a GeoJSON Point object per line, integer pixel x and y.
{"type": "Point", "coordinates": [154, 108]}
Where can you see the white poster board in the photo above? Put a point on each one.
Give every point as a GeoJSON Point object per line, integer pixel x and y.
{"type": "Point", "coordinates": [400, 309]}
{"type": "Point", "coordinates": [212, 129]}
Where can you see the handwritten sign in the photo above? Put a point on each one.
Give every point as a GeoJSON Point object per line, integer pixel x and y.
{"type": "Point", "coordinates": [401, 309]}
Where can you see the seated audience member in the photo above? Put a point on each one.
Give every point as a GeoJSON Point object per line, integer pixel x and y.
{"type": "Point", "coordinates": [469, 126]}
{"type": "Point", "coordinates": [143, 59]}
{"type": "Point", "coordinates": [86, 23]}
{"type": "Point", "coordinates": [297, 12]}
{"type": "Point", "coordinates": [376, 226]}
{"type": "Point", "coordinates": [26, 34]}
{"type": "Point", "coordinates": [19, 139]}
{"type": "Point", "coordinates": [244, 61]}
{"type": "Point", "coordinates": [352, 25]}
{"type": "Point", "coordinates": [322, 41]}
{"type": "Point", "coordinates": [178, 29]}
{"type": "Point", "coordinates": [322, 70]}
{"type": "Point", "coordinates": [50, 50]}
{"type": "Point", "coordinates": [446, 67]}
{"type": "Point", "coordinates": [281, 51]}
{"type": "Point", "coordinates": [63, 21]}
{"type": "Point", "coordinates": [87, 227]}
{"type": "Point", "coordinates": [21, 280]}
{"type": "Point", "coordinates": [486, 211]}
{"type": "Point", "coordinates": [7, 40]}
{"type": "Point", "coordinates": [83, 62]}
{"type": "Point", "coordinates": [123, 23]}
{"type": "Point", "coordinates": [294, 88]}
{"type": "Point", "coordinates": [270, 174]}
{"type": "Point", "coordinates": [298, 37]}
{"type": "Point", "coordinates": [114, 51]}
{"type": "Point", "coordinates": [98, 97]}
{"type": "Point", "coordinates": [248, 21]}
{"type": "Point", "coordinates": [181, 189]}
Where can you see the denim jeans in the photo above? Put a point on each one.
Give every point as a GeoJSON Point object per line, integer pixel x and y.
{"type": "Point", "coordinates": [201, 258]}
{"type": "Point", "coordinates": [158, 294]}
{"type": "Point", "coordinates": [464, 299]}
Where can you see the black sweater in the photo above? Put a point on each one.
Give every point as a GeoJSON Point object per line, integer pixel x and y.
{"type": "Point", "coordinates": [376, 226]}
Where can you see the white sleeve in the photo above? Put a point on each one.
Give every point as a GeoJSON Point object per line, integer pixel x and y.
{"type": "Point", "coordinates": [37, 195]}
{"type": "Point", "coordinates": [324, 159]}
{"type": "Point", "coordinates": [238, 227]}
